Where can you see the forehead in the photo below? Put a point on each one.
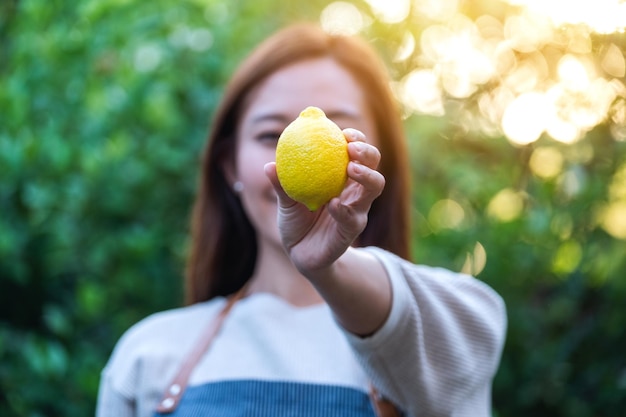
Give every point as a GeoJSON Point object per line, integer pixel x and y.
{"type": "Point", "coordinates": [320, 82]}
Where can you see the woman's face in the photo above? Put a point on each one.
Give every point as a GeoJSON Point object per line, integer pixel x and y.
{"type": "Point", "coordinates": [276, 102]}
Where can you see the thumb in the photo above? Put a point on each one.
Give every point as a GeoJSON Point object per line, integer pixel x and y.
{"type": "Point", "coordinates": [283, 199]}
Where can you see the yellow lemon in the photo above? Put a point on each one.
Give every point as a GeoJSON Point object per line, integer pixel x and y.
{"type": "Point", "coordinates": [312, 158]}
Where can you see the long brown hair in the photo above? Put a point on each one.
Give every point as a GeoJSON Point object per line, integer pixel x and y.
{"type": "Point", "coordinates": [223, 247]}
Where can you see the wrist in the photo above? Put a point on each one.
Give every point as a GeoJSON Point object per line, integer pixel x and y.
{"type": "Point", "coordinates": [332, 274]}
{"type": "Point", "coordinates": [320, 274]}
{"type": "Point", "coordinates": [357, 289]}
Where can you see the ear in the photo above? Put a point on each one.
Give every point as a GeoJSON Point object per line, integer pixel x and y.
{"type": "Point", "coordinates": [227, 166]}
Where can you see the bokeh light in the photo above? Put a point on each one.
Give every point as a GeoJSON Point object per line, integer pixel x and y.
{"type": "Point", "coordinates": [390, 11]}
{"type": "Point", "coordinates": [437, 10]}
{"type": "Point", "coordinates": [475, 261]}
{"type": "Point", "coordinates": [613, 214]}
{"type": "Point", "coordinates": [406, 48]}
{"type": "Point", "coordinates": [614, 219]}
{"type": "Point", "coordinates": [567, 257]}
{"type": "Point", "coordinates": [342, 18]}
{"type": "Point", "coordinates": [446, 214]}
{"type": "Point", "coordinates": [602, 16]}
{"type": "Point", "coordinates": [507, 205]}
{"type": "Point", "coordinates": [147, 57]}
{"type": "Point", "coordinates": [546, 162]}
{"type": "Point", "coordinates": [420, 92]}
{"type": "Point", "coordinates": [524, 120]}
{"type": "Point", "coordinates": [531, 66]}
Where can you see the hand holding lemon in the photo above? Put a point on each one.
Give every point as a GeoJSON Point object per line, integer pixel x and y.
{"type": "Point", "coordinates": [315, 162]}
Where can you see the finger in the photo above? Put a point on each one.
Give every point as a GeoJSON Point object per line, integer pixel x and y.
{"type": "Point", "coordinates": [364, 154]}
{"type": "Point", "coordinates": [353, 135]}
{"type": "Point", "coordinates": [283, 199]}
{"type": "Point", "coordinates": [371, 184]}
{"type": "Point", "coordinates": [359, 150]}
{"type": "Point", "coordinates": [351, 219]}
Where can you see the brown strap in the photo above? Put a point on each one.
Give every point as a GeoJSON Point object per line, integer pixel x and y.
{"type": "Point", "coordinates": [175, 390]}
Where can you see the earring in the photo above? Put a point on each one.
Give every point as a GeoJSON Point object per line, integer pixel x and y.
{"type": "Point", "coordinates": [238, 187]}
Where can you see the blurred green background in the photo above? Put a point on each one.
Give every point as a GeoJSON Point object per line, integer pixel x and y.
{"type": "Point", "coordinates": [516, 115]}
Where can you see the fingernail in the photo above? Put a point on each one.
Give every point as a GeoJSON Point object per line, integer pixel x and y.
{"type": "Point", "coordinates": [351, 133]}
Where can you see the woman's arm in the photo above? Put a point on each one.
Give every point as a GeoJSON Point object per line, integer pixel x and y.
{"type": "Point", "coordinates": [358, 291]}
{"type": "Point", "coordinates": [353, 283]}
{"type": "Point", "coordinates": [433, 338]}
{"type": "Point", "coordinates": [111, 402]}
{"type": "Point", "coordinates": [440, 347]}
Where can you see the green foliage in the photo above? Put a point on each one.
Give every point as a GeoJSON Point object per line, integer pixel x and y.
{"type": "Point", "coordinates": [561, 275]}
{"type": "Point", "coordinates": [104, 110]}
{"type": "Point", "coordinates": [104, 107]}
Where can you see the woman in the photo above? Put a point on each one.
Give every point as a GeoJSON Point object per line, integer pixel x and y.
{"type": "Point", "coordinates": [329, 305]}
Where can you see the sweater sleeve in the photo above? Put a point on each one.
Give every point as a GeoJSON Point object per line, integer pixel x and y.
{"type": "Point", "coordinates": [440, 347]}
{"type": "Point", "coordinates": [111, 402]}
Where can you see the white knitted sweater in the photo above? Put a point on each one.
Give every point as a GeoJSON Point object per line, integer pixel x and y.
{"type": "Point", "coordinates": [436, 355]}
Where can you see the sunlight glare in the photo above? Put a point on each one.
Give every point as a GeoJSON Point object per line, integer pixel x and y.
{"type": "Point", "coordinates": [492, 104]}
{"type": "Point", "coordinates": [457, 84]}
{"type": "Point", "coordinates": [420, 92]}
{"type": "Point", "coordinates": [342, 18]}
{"type": "Point", "coordinates": [463, 58]}
{"type": "Point", "coordinates": [438, 10]}
{"type": "Point", "coordinates": [524, 78]}
{"type": "Point", "coordinates": [435, 43]}
{"type": "Point", "coordinates": [532, 70]}
{"type": "Point", "coordinates": [583, 105]}
{"type": "Point", "coordinates": [406, 48]}
{"type": "Point", "coordinates": [528, 32]}
{"type": "Point", "coordinates": [524, 120]}
{"type": "Point", "coordinates": [559, 123]}
{"type": "Point", "coordinates": [490, 27]}
{"type": "Point", "coordinates": [390, 11]}
{"type": "Point", "coordinates": [579, 41]}
{"type": "Point", "coordinates": [572, 73]}
{"type": "Point", "coordinates": [602, 16]}
{"type": "Point", "coordinates": [613, 62]}
{"type": "Point", "coordinates": [618, 128]}
{"type": "Point", "coordinates": [562, 130]}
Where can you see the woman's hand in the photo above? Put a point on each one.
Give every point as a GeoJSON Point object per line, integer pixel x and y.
{"type": "Point", "coordinates": [315, 240]}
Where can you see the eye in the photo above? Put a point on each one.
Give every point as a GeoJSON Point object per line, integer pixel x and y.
{"type": "Point", "coordinates": [269, 136]}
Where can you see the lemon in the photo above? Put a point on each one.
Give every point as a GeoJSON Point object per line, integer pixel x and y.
{"type": "Point", "coordinates": [312, 158]}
